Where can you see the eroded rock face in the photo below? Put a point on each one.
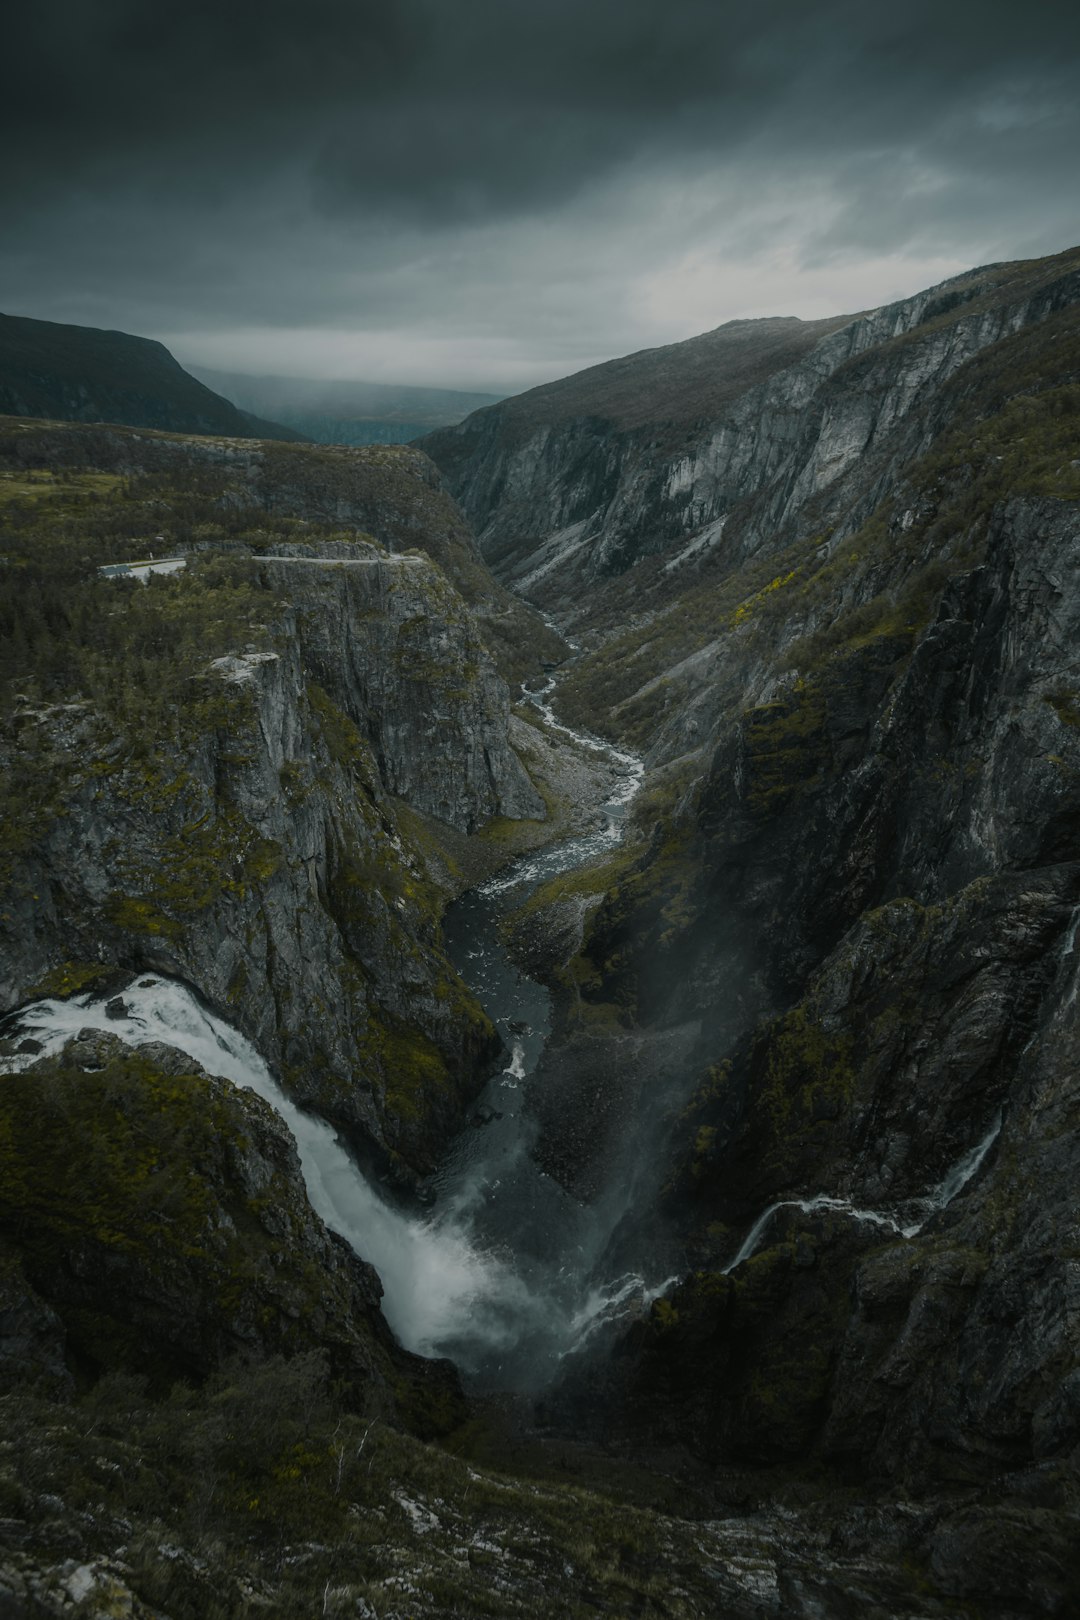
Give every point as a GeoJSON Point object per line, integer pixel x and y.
{"type": "Point", "coordinates": [565, 487]}
{"type": "Point", "coordinates": [864, 885]}
{"type": "Point", "coordinates": [874, 909]}
{"type": "Point", "coordinates": [393, 644]}
{"type": "Point", "coordinates": [256, 854]}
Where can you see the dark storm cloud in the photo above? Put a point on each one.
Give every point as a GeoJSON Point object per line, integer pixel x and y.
{"type": "Point", "coordinates": [184, 155]}
{"type": "Point", "coordinates": [433, 107]}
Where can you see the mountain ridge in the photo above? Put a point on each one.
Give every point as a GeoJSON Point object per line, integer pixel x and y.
{"type": "Point", "coordinates": [94, 374]}
{"type": "Point", "coordinates": [560, 505]}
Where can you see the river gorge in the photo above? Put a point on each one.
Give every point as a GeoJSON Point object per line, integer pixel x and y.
{"type": "Point", "coordinates": [499, 1268]}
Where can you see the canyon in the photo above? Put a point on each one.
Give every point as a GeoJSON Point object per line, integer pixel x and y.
{"type": "Point", "coordinates": [665, 904]}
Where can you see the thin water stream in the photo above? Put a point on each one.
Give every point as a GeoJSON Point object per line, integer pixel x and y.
{"type": "Point", "coordinates": [906, 1220]}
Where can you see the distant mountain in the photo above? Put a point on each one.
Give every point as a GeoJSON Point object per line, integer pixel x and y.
{"type": "Point", "coordinates": [674, 385]}
{"type": "Point", "coordinates": [347, 412]}
{"type": "Point", "coordinates": [83, 374]}
{"type": "Point", "coordinates": [695, 456]}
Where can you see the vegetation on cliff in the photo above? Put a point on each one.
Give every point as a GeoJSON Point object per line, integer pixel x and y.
{"type": "Point", "coordinates": [837, 966]}
{"type": "Point", "coordinates": [202, 770]}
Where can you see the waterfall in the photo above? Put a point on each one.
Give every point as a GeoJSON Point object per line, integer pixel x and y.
{"type": "Point", "coordinates": [928, 1205]}
{"type": "Point", "coordinates": [499, 1273]}
{"type": "Point", "coordinates": [1068, 950]}
{"type": "Point", "coordinates": [752, 1241]}
{"type": "Point", "coordinates": [437, 1283]}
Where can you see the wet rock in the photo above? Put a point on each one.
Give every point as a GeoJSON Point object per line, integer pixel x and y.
{"type": "Point", "coordinates": [485, 1115]}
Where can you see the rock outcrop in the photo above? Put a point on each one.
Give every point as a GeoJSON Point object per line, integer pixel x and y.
{"type": "Point", "coordinates": [232, 775]}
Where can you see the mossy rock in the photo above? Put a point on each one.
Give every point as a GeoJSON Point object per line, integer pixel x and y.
{"type": "Point", "coordinates": [162, 1214]}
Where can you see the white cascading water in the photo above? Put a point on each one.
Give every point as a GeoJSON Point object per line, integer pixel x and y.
{"type": "Point", "coordinates": [953, 1183]}
{"type": "Point", "coordinates": [528, 871]}
{"type": "Point", "coordinates": [1067, 952]}
{"type": "Point", "coordinates": [929, 1205]}
{"type": "Point", "coordinates": [437, 1284]}
{"type": "Point", "coordinates": [443, 1289]}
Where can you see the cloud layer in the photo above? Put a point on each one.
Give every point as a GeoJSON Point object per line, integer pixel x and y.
{"type": "Point", "coordinates": [489, 192]}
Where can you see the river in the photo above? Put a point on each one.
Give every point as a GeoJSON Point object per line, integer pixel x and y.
{"type": "Point", "coordinates": [489, 1180]}
{"type": "Point", "coordinates": [500, 1270]}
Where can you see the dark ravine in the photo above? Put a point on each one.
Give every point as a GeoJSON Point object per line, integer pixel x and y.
{"type": "Point", "coordinates": [846, 949]}
{"type": "Point", "coordinates": [813, 1020]}
{"type": "Point", "coordinates": [555, 1245]}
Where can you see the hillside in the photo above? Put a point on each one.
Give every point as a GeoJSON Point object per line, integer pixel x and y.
{"type": "Point", "coordinates": [82, 374]}
{"type": "Point", "coordinates": [671, 386]}
{"type": "Point", "coordinates": [257, 711]}
{"type": "Point", "coordinates": [570, 486]}
{"type": "Point", "coordinates": [822, 1015]}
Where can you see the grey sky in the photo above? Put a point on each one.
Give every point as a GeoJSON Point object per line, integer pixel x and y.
{"type": "Point", "coordinates": [487, 193]}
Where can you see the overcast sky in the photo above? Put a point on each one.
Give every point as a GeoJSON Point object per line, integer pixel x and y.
{"type": "Point", "coordinates": [487, 193]}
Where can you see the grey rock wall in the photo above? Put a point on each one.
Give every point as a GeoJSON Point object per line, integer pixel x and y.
{"type": "Point", "coordinates": [254, 849]}
{"type": "Point", "coordinates": [561, 505]}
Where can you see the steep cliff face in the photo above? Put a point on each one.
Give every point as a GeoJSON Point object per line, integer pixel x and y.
{"type": "Point", "coordinates": [162, 1262]}
{"type": "Point", "coordinates": [788, 429]}
{"type": "Point", "coordinates": [556, 481]}
{"type": "Point", "coordinates": [393, 644]}
{"type": "Point", "coordinates": [205, 774]}
{"type": "Point", "coordinates": [842, 957]}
